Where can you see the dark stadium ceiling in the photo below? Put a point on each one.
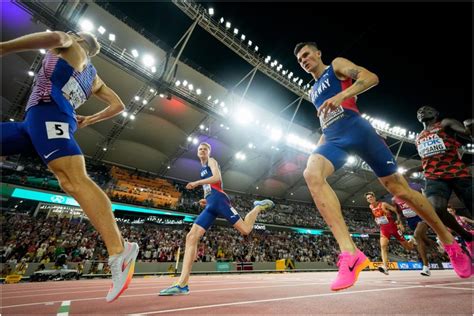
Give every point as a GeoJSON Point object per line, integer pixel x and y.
{"type": "Point", "coordinates": [160, 138]}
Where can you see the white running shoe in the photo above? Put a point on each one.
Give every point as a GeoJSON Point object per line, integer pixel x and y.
{"type": "Point", "coordinates": [426, 271]}
{"type": "Point", "coordinates": [122, 267]}
{"type": "Point", "coordinates": [383, 269]}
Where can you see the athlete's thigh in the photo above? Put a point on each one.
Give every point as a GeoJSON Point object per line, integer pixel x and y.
{"type": "Point", "coordinates": [14, 139]}
{"type": "Point", "coordinates": [464, 191]}
{"type": "Point", "coordinates": [52, 133]}
{"type": "Point", "coordinates": [206, 218]}
{"type": "Point", "coordinates": [327, 158]}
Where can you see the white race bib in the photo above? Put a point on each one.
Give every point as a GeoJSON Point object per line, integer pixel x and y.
{"type": "Point", "coordinates": [409, 213]}
{"type": "Point", "coordinates": [207, 189]}
{"type": "Point", "coordinates": [74, 93]}
{"type": "Point", "coordinates": [430, 146]}
{"type": "Point", "coordinates": [381, 220]}
{"type": "Point", "coordinates": [331, 117]}
{"type": "Point", "coordinates": [57, 130]}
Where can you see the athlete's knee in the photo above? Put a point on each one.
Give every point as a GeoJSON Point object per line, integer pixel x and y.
{"type": "Point", "coordinates": [192, 237]}
{"type": "Point", "coordinates": [314, 178]}
{"type": "Point", "coordinates": [419, 235]}
{"type": "Point", "coordinates": [72, 184]}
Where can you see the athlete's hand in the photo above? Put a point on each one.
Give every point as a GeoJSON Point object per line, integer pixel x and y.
{"type": "Point", "coordinates": [191, 185]}
{"type": "Point", "coordinates": [330, 105]}
{"type": "Point", "coordinates": [468, 125]}
{"type": "Point", "coordinates": [203, 203]}
{"type": "Point", "coordinates": [401, 228]}
{"type": "Point", "coordinates": [83, 121]}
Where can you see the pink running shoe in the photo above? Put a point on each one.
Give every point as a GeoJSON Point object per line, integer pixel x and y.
{"type": "Point", "coordinates": [460, 261]}
{"type": "Point", "coordinates": [349, 269]}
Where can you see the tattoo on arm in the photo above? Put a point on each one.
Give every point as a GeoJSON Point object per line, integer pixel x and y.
{"type": "Point", "coordinates": [353, 73]}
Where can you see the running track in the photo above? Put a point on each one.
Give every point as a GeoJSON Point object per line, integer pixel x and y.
{"type": "Point", "coordinates": [402, 292]}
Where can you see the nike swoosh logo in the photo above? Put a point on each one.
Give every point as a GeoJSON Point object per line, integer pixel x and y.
{"type": "Point", "coordinates": [352, 268]}
{"type": "Point", "coordinates": [48, 155]}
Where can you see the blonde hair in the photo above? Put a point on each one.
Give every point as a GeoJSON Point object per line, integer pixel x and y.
{"type": "Point", "coordinates": [91, 41]}
{"type": "Point", "coordinates": [207, 145]}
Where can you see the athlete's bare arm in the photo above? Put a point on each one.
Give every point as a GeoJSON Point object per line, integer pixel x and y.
{"type": "Point", "coordinates": [466, 220]}
{"type": "Point", "coordinates": [344, 69]}
{"type": "Point", "coordinates": [35, 41]}
{"type": "Point", "coordinates": [387, 207]}
{"type": "Point", "coordinates": [456, 126]}
{"type": "Point", "coordinates": [106, 95]}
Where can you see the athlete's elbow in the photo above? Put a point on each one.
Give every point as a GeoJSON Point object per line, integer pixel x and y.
{"type": "Point", "coordinates": [60, 39]}
{"type": "Point", "coordinates": [375, 79]}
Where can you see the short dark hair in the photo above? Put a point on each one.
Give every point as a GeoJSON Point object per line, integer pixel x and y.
{"type": "Point", "coordinates": [299, 46]}
{"type": "Point", "coordinates": [370, 193]}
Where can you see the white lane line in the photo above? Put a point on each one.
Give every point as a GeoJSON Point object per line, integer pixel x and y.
{"type": "Point", "coordinates": [274, 300]}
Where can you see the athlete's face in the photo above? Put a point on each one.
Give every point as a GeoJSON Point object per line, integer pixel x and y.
{"type": "Point", "coordinates": [370, 198]}
{"type": "Point", "coordinates": [309, 58]}
{"type": "Point", "coordinates": [203, 151]}
{"type": "Point", "coordinates": [426, 113]}
{"type": "Point", "coordinates": [451, 211]}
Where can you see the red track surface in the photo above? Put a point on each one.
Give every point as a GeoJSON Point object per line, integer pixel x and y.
{"type": "Point", "coordinates": [402, 292]}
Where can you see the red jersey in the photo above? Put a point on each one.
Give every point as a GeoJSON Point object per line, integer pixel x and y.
{"type": "Point", "coordinates": [439, 154]}
{"type": "Point", "coordinates": [381, 216]}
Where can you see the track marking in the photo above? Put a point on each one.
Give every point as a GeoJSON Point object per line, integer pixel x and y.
{"type": "Point", "coordinates": [64, 308]}
{"type": "Point", "coordinates": [450, 287]}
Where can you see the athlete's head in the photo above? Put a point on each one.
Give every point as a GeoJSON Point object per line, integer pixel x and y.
{"type": "Point", "coordinates": [204, 150]}
{"type": "Point", "coordinates": [426, 113]}
{"type": "Point", "coordinates": [370, 197]}
{"type": "Point", "coordinates": [88, 42]}
{"type": "Point", "coordinates": [308, 55]}
{"type": "Point", "coordinates": [451, 210]}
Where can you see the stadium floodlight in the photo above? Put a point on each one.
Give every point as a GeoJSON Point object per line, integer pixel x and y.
{"type": "Point", "coordinates": [242, 37]}
{"type": "Point", "coordinates": [201, 127]}
{"type": "Point", "coordinates": [290, 75]}
{"type": "Point", "coordinates": [104, 148]}
{"type": "Point", "coordinates": [222, 104]}
{"type": "Point", "coordinates": [190, 139]}
{"type": "Point", "coordinates": [168, 167]}
{"type": "Point", "coordinates": [137, 98]}
{"type": "Point", "coordinates": [236, 31]}
{"type": "Point", "coordinates": [275, 134]}
{"type": "Point", "coordinates": [351, 160]}
{"type": "Point", "coordinates": [211, 11]}
{"type": "Point", "coordinates": [256, 188]}
{"type": "Point", "coordinates": [148, 60]}
{"type": "Point", "coordinates": [251, 146]}
{"type": "Point", "coordinates": [153, 69]}
{"type": "Point", "coordinates": [195, 141]}
{"type": "Point", "coordinates": [112, 37]}
{"type": "Point", "coordinates": [209, 97]}
{"type": "Point", "coordinates": [12, 120]}
{"type": "Point", "coordinates": [249, 43]}
{"type": "Point", "coordinates": [101, 30]}
{"type": "Point", "coordinates": [31, 73]}
{"type": "Point", "coordinates": [401, 170]}
{"type": "Point", "coordinates": [86, 25]}
{"type": "Point", "coordinates": [256, 48]}
{"type": "Point", "coordinates": [152, 90]}
{"type": "Point", "coordinates": [161, 95]}
{"type": "Point", "coordinates": [132, 117]}
{"type": "Point", "coordinates": [216, 101]}
{"type": "Point", "coordinates": [177, 83]}
{"type": "Point", "coordinates": [190, 87]}
{"type": "Point", "coordinates": [228, 25]}
{"type": "Point", "coordinates": [225, 110]}
{"type": "Point", "coordinates": [145, 102]}
{"type": "Point", "coordinates": [198, 91]}
{"type": "Point", "coordinates": [185, 83]}
{"type": "Point", "coordinates": [124, 113]}
{"type": "Point", "coordinates": [244, 116]}
{"type": "Point", "coordinates": [134, 53]}
{"type": "Point", "coordinates": [43, 51]}
{"type": "Point", "coordinates": [221, 20]}
{"type": "Point", "coordinates": [222, 125]}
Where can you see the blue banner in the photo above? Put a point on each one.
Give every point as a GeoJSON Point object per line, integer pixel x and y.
{"type": "Point", "coordinates": [410, 265]}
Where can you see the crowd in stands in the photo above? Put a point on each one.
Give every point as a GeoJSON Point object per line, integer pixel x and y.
{"type": "Point", "coordinates": [42, 239]}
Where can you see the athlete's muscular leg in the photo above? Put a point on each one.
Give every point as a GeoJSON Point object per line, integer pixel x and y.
{"type": "Point", "coordinates": [245, 226]}
{"type": "Point", "coordinates": [190, 252]}
{"type": "Point", "coordinates": [441, 204]}
{"type": "Point", "coordinates": [384, 250]}
{"type": "Point", "coordinates": [315, 174]}
{"type": "Point", "coordinates": [420, 235]}
{"type": "Point", "coordinates": [71, 174]}
{"type": "Point", "coordinates": [398, 187]}
{"type": "Point", "coordinates": [408, 245]}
